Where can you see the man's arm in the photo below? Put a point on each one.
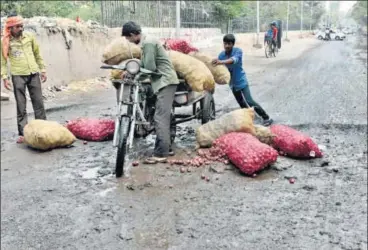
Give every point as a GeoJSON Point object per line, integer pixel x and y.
{"type": "Point", "coordinates": [37, 55]}
{"type": "Point", "coordinates": [149, 57]}
{"type": "Point", "coordinates": [236, 58]}
{"type": "Point", "coordinates": [4, 65]}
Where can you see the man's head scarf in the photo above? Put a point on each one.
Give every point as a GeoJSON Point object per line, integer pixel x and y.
{"type": "Point", "coordinates": [10, 22]}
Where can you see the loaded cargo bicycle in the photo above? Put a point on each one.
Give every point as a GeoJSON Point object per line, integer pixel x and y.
{"type": "Point", "coordinates": [136, 99]}
{"type": "Point", "coordinates": [135, 108]}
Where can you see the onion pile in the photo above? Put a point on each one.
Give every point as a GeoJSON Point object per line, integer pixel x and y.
{"type": "Point", "coordinates": [90, 129]}
{"type": "Point", "coordinates": [206, 156]}
{"type": "Point", "coordinates": [246, 152]}
{"type": "Point", "coordinates": [290, 142]}
{"type": "Point", "coordinates": [179, 45]}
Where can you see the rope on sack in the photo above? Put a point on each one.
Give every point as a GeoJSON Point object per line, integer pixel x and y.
{"type": "Point", "coordinates": [255, 111]}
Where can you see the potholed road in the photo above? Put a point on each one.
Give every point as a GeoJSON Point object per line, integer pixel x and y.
{"type": "Point", "coordinates": [68, 199]}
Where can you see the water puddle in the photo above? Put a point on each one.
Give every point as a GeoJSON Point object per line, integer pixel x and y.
{"type": "Point", "coordinates": [91, 173]}
{"type": "Point", "coordinates": [103, 193]}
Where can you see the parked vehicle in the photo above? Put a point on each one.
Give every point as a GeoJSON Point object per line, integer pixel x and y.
{"type": "Point", "coordinates": [338, 36]}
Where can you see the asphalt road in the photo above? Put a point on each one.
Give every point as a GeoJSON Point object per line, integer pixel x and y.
{"type": "Point", "coordinates": [68, 198]}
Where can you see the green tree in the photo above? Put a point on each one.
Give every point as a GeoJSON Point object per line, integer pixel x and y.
{"type": "Point", "coordinates": [85, 9]}
{"type": "Point", "coordinates": [228, 9]}
{"type": "Point", "coordinates": [88, 11]}
{"type": "Point", "coordinates": [359, 12]}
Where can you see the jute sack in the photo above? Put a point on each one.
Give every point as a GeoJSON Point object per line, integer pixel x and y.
{"type": "Point", "coordinates": [115, 74]}
{"type": "Point", "coordinates": [240, 120]}
{"type": "Point", "coordinates": [119, 50]}
{"type": "Point", "coordinates": [264, 134]}
{"type": "Point", "coordinates": [195, 72]}
{"type": "Point", "coordinates": [220, 73]}
{"type": "Point", "coordinates": [45, 135]}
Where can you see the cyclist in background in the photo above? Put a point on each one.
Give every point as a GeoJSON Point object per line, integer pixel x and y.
{"type": "Point", "coordinates": [274, 35]}
{"type": "Point", "coordinates": [268, 35]}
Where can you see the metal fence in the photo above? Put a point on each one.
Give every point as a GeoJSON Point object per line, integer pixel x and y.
{"type": "Point", "coordinates": [249, 23]}
{"type": "Point", "coordinates": [159, 14]}
{"type": "Point", "coordinates": [196, 14]}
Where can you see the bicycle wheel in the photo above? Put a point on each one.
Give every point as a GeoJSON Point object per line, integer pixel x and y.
{"type": "Point", "coordinates": [122, 146]}
{"type": "Point", "coordinates": [267, 50]}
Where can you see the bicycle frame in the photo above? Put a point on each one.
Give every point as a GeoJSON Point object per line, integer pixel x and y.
{"type": "Point", "coordinates": [133, 102]}
{"type": "Point", "coordinates": [270, 44]}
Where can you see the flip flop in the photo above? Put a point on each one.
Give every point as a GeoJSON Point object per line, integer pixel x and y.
{"type": "Point", "coordinates": [155, 160]}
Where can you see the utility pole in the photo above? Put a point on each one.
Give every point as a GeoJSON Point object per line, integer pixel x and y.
{"type": "Point", "coordinates": [257, 22]}
{"type": "Point", "coordinates": [301, 17]}
{"type": "Point", "coordinates": [328, 14]}
{"type": "Point", "coordinates": [311, 16]}
{"type": "Point", "coordinates": [287, 19]}
{"type": "Point", "coordinates": [102, 14]}
{"type": "Point", "coordinates": [159, 13]}
{"type": "Point", "coordinates": [177, 19]}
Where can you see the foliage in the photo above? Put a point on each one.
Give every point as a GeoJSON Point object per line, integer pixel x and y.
{"type": "Point", "coordinates": [277, 10]}
{"type": "Point", "coordinates": [244, 13]}
{"type": "Point", "coordinates": [359, 12]}
{"type": "Point", "coordinates": [71, 9]}
{"type": "Point", "coordinates": [89, 11]}
{"type": "Point", "coordinates": [229, 9]}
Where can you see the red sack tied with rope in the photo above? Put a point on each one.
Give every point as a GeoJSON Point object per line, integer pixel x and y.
{"type": "Point", "coordinates": [246, 152]}
{"type": "Point", "coordinates": [92, 129]}
{"type": "Point", "coordinates": [179, 45]}
{"type": "Point", "coordinates": [290, 142]}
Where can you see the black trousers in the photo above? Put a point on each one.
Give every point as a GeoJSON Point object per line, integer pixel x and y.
{"type": "Point", "coordinates": [245, 100]}
{"type": "Point", "coordinates": [33, 83]}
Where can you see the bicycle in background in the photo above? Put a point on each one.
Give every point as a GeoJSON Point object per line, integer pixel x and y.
{"type": "Point", "coordinates": [270, 48]}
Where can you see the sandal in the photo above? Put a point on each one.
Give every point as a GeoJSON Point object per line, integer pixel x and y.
{"type": "Point", "coordinates": [155, 160]}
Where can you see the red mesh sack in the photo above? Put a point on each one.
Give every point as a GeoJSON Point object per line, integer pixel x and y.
{"type": "Point", "coordinates": [291, 142]}
{"type": "Point", "coordinates": [179, 45]}
{"type": "Point", "coordinates": [92, 129]}
{"type": "Point", "coordinates": [246, 152]}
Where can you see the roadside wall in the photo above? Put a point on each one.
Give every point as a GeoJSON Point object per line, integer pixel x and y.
{"type": "Point", "coordinates": [73, 52]}
{"type": "Point", "coordinates": [83, 59]}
